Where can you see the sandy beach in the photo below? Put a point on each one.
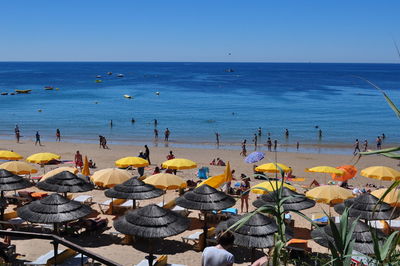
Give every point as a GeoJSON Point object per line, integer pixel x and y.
{"type": "Point", "coordinates": [178, 252]}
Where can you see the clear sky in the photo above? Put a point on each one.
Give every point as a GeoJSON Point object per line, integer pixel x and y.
{"type": "Point", "coordinates": [203, 30]}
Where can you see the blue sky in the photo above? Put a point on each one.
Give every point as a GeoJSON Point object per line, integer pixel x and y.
{"type": "Point", "coordinates": [207, 30]}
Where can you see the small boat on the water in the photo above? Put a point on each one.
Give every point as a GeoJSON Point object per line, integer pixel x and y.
{"type": "Point", "coordinates": [98, 81]}
{"type": "Point", "coordinates": [22, 91]}
{"type": "Point", "coordinates": [128, 96]}
{"type": "Point", "coordinates": [109, 73]}
{"type": "Point", "coordinates": [48, 88]}
{"type": "Point", "coordinates": [157, 93]}
{"type": "Point", "coordinates": [98, 77]}
{"type": "Point", "coordinates": [4, 93]}
{"type": "Point", "coordinates": [229, 70]}
{"type": "Point", "coordinates": [120, 75]}
{"type": "Point", "coordinates": [12, 93]}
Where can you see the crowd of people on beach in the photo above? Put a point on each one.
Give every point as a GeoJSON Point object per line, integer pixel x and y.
{"type": "Point", "coordinates": [271, 145]}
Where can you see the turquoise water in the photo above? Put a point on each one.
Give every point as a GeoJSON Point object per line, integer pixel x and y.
{"type": "Point", "coordinates": [198, 99]}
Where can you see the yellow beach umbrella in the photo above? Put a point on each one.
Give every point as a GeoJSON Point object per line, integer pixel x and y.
{"type": "Point", "coordinates": [110, 177]}
{"type": "Point", "coordinates": [19, 168]}
{"type": "Point", "coordinates": [219, 180]}
{"type": "Point", "coordinates": [381, 173]}
{"type": "Point", "coordinates": [391, 198]}
{"type": "Point", "coordinates": [131, 161]}
{"type": "Point", "coordinates": [272, 168]}
{"type": "Point", "coordinates": [269, 186]}
{"type": "Point", "coordinates": [59, 170]}
{"type": "Point", "coordinates": [179, 164]}
{"type": "Point", "coordinates": [86, 170]}
{"type": "Point", "coordinates": [325, 169]}
{"type": "Point", "coordinates": [42, 157]}
{"type": "Point", "coordinates": [10, 155]}
{"type": "Point", "coordinates": [166, 181]}
{"type": "Point", "coordinates": [329, 194]}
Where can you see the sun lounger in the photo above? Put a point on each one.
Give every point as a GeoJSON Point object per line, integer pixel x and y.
{"type": "Point", "coordinates": [85, 199]}
{"type": "Point", "coordinates": [15, 223]}
{"type": "Point", "coordinates": [42, 260]}
{"type": "Point", "coordinates": [110, 204]}
{"type": "Point", "coordinates": [104, 204]}
{"type": "Point", "coordinates": [195, 237]}
{"type": "Point", "coordinates": [126, 204]}
{"type": "Point", "coordinates": [77, 260]}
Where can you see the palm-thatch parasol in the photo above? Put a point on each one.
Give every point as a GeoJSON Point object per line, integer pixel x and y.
{"type": "Point", "coordinates": [295, 201]}
{"type": "Point", "coordinates": [53, 209]}
{"type": "Point", "coordinates": [65, 182]}
{"type": "Point", "coordinates": [151, 222]}
{"type": "Point", "coordinates": [8, 182]}
{"type": "Point", "coordinates": [368, 207]}
{"type": "Point", "coordinates": [134, 189]}
{"type": "Point", "coordinates": [257, 232]}
{"type": "Point", "coordinates": [362, 235]}
{"type": "Point", "coordinates": [205, 198]}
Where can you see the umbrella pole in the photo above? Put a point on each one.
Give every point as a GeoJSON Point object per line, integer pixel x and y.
{"type": "Point", "coordinates": [150, 258]}
{"type": "Point", "coordinates": [55, 245]}
{"type": "Point", "coordinates": [2, 208]}
{"type": "Point", "coordinates": [253, 255]}
{"type": "Point", "coordinates": [133, 204]}
{"type": "Point", "coordinates": [203, 241]}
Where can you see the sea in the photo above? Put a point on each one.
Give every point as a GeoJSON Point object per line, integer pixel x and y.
{"type": "Point", "coordinates": [196, 100]}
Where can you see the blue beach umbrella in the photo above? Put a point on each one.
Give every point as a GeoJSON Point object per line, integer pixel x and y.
{"type": "Point", "coordinates": [254, 157]}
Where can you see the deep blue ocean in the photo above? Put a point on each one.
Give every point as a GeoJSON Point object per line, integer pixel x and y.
{"type": "Point", "coordinates": [198, 99]}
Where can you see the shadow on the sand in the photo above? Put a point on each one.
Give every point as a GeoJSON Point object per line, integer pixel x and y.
{"type": "Point", "coordinates": [92, 241]}
{"type": "Point", "coordinates": [162, 246]}
{"type": "Point", "coordinates": [243, 255]}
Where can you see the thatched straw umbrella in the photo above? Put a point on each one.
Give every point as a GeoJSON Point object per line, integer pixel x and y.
{"type": "Point", "coordinates": [362, 235]}
{"type": "Point", "coordinates": [205, 198]}
{"type": "Point", "coordinates": [9, 182]}
{"type": "Point", "coordinates": [151, 222]}
{"type": "Point", "coordinates": [53, 209]}
{"type": "Point", "coordinates": [65, 182]}
{"type": "Point", "coordinates": [257, 232]}
{"type": "Point", "coordinates": [366, 207]}
{"type": "Point", "coordinates": [134, 189]}
{"type": "Point", "coordinates": [295, 202]}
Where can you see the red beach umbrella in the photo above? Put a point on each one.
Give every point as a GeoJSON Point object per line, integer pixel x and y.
{"type": "Point", "coordinates": [350, 171]}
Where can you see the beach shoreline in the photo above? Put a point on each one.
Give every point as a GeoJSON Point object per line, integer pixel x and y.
{"type": "Point", "coordinates": [315, 148]}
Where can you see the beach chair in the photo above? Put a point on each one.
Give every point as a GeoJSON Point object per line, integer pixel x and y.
{"type": "Point", "coordinates": [319, 219]}
{"type": "Point", "coordinates": [194, 238]}
{"type": "Point", "coordinates": [171, 205]}
{"type": "Point", "coordinates": [298, 248]}
{"type": "Point", "coordinates": [202, 173]}
{"type": "Point", "coordinates": [106, 207]}
{"type": "Point", "coordinates": [85, 199]}
{"type": "Point", "coordinates": [14, 223]}
{"type": "Point", "coordinates": [78, 259]}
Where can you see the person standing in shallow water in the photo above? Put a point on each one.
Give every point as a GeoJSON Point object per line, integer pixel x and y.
{"type": "Point", "coordinates": [286, 133]}
{"type": "Point", "coordinates": [255, 141]}
{"type": "Point", "coordinates": [269, 144]}
{"type": "Point", "coordinates": [275, 144]}
{"type": "Point", "coordinates": [356, 147]}
{"type": "Point", "coordinates": [244, 151]}
{"type": "Point", "coordinates": [156, 134]}
{"type": "Point", "coordinates": [58, 135]}
{"type": "Point", "coordinates": [217, 135]}
{"type": "Point", "coordinates": [37, 139]}
{"type": "Point", "coordinates": [166, 134]}
{"type": "Point", "coordinates": [365, 145]}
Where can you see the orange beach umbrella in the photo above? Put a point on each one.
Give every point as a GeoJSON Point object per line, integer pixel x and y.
{"type": "Point", "coordinates": [350, 171]}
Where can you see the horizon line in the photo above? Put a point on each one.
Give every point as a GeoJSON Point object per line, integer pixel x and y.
{"type": "Point", "coordinates": [235, 62]}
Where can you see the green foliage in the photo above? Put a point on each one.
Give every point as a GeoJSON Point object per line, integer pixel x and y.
{"type": "Point", "coordinates": [342, 245]}
{"type": "Point", "coordinates": [385, 253]}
